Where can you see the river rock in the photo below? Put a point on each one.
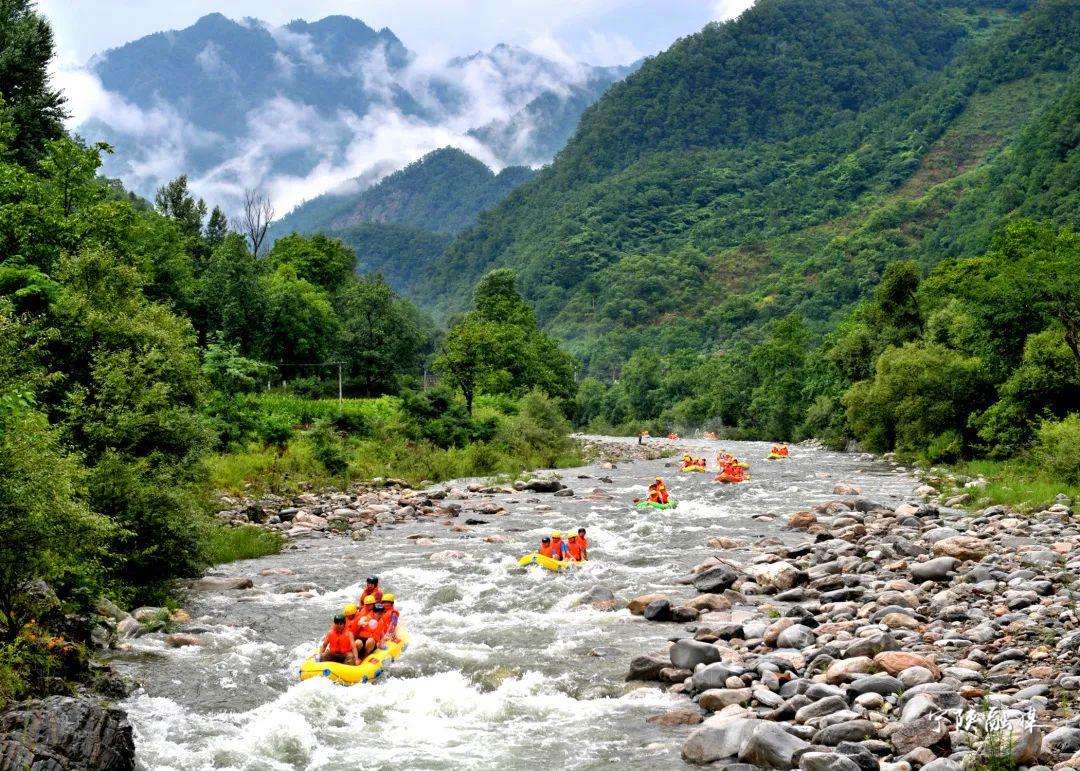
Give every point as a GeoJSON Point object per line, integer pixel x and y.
{"type": "Point", "coordinates": [771, 746]}
{"type": "Point", "coordinates": [222, 583]}
{"type": "Point", "coordinates": [658, 610]}
{"type": "Point", "coordinates": [676, 717]}
{"type": "Point", "coordinates": [846, 731]}
{"type": "Point", "coordinates": [895, 662]}
{"type": "Point", "coordinates": [1061, 741]}
{"type": "Point", "coordinates": [543, 486]}
{"type": "Point", "coordinates": [63, 733]}
{"type": "Point", "coordinates": [712, 676]}
{"type": "Point", "coordinates": [928, 732]}
{"type": "Point", "coordinates": [637, 605]}
{"type": "Point", "coordinates": [884, 685]}
{"type": "Point", "coordinates": [845, 488]}
{"type": "Point", "coordinates": [708, 602]}
{"type": "Point", "coordinates": [827, 761]}
{"type": "Point", "coordinates": [129, 628]}
{"type": "Point", "coordinates": [687, 654]}
{"type": "Point", "coordinates": [774, 575]}
{"type": "Point", "coordinates": [847, 669]}
{"type": "Point", "coordinates": [710, 743]}
{"type": "Point", "coordinates": [105, 607]}
{"type": "Point", "coordinates": [444, 557]}
{"type": "Point", "coordinates": [937, 569]}
{"type": "Point", "coordinates": [797, 636]}
{"type": "Point", "coordinates": [801, 519]}
{"type": "Point", "coordinates": [648, 666]}
{"type": "Point", "coordinates": [182, 640]}
{"type": "Point", "coordinates": [716, 579]}
{"type": "Point", "coordinates": [715, 699]}
{"type": "Point", "coordinates": [962, 547]}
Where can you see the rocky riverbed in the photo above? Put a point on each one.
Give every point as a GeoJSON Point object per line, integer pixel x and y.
{"type": "Point", "coordinates": [869, 636]}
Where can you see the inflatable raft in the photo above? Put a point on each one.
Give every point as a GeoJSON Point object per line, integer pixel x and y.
{"type": "Point", "coordinates": [368, 671]}
{"type": "Point", "coordinates": [653, 505]}
{"type": "Point", "coordinates": [775, 456]}
{"type": "Point", "coordinates": [555, 566]}
{"type": "Point", "coordinates": [688, 469]}
{"type": "Point", "coordinates": [729, 481]}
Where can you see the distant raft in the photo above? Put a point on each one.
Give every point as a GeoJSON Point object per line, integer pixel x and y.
{"type": "Point", "coordinates": [368, 671]}
{"type": "Point", "coordinates": [555, 566]}
{"type": "Point", "coordinates": [775, 456]}
{"type": "Point", "coordinates": [654, 505]}
{"type": "Point", "coordinates": [688, 469]}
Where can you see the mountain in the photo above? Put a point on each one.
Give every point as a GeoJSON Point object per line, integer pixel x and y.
{"type": "Point", "coordinates": [443, 192]}
{"type": "Point", "coordinates": [405, 222]}
{"type": "Point", "coordinates": [298, 109]}
{"type": "Point", "coordinates": [777, 163]}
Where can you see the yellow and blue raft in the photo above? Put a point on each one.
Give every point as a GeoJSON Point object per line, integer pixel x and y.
{"type": "Point", "coordinates": [367, 671]}
{"type": "Point", "coordinates": [556, 566]}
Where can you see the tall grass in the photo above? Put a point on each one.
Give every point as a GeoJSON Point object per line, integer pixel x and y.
{"type": "Point", "coordinates": [229, 544]}
{"type": "Point", "coordinates": [1019, 483]}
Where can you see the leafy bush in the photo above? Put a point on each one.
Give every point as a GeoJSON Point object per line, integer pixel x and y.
{"type": "Point", "coordinates": [228, 544]}
{"type": "Point", "coordinates": [1057, 448]}
{"type": "Point", "coordinates": [328, 448]}
{"type": "Point", "coordinates": [439, 417]}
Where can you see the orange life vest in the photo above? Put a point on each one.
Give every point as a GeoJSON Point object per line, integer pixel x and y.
{"type": "Point", "coordinates": [574, 549]}
{"type": "Point", "coordinates": [556, 549]}
{"type": "Point", "coordinates": [352, 625]}
{"type": "Point", "coordinates": [368, 591]}
{"type": "Point", "coordinates": [369, 628]}
{"type": "Point", "coordinates": [338, 642]}
{"type": "Point", "coordinates": [583, 543]}
{"type": "Point", "coordinates": [661, 492]}
{"type": "Point", "coordinates": [545, 550]}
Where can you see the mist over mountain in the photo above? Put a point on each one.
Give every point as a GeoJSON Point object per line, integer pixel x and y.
{"type": "Point", "coordinates": [299, 109]}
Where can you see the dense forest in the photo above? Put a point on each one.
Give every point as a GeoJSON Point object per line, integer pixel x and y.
{"type": "Point", "coordinates": [406, 221]}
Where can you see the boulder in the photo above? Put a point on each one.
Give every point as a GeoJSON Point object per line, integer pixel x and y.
{"type": "Point", "coordinates": [447, 556]}
{"type": "Point", "coordinates": [543, 485]}
{"type": "Point", "coordinates": [716, 579]}
{"type": "Point", "coordinates": [847, 669]}
{"type": "Point", "coordinates": [658, 610]}
{"type": "Point", "coordinates": [937, 569]}
{"type": "Point", "coordinates": [801, 519]}
{"type": "Point", "coordinates": [710, 743]}
{"type": "Point", "coordinates": [715, 699]}
{"type": "Point", "coordinates": [895, 662]}
{"type": "Point", "coordinates": [797, 636]}
{"type": "Point", "coordinates": [847, 731]}
{"type": "Point", "coordinates": [222, 583]}
{"type": "Point", "coordinates": [707, 602]}
{"type": "Point", "coordinates": [929, 732]}
{"type": "Point", "coordinates": [62, 733]}
{"type": "Point", "coordinates": [676, 717]}
{"type": "Point", "coordinates": [687, 654]}
{"type": "Point", "coordinates": [962, 547]}
{"type": "Point", "coordinates": [827, 761]}
{"type": "Point", "coordinates": [770, 746]}
{"type": "Point", "coordinates": [129, 628]}
{"type": "Point", "coordinates": [182, 640]}
{"type": "Point", "coordinates": [713, 676]}
{"type": "Point", "coordinates": [638, 604]}
{"type": "Point", "coordinates": [1061, 741]}
{"type": "Point", "coordinates": [883, 685]}
{"type": "Point", "coordinates": [774, 575]}
{"type": "Point", "coordinates": [648, 666]}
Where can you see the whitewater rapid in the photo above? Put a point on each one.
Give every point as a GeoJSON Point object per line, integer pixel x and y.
{"type": "Point", "coordinates": [506, 667]}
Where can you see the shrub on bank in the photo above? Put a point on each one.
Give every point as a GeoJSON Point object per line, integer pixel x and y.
{"type": "Point", "coordinates": [1057, 448]}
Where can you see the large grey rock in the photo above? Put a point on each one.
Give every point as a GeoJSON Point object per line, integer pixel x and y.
{"type": "Point", "coordinates": [928, 732]}
{"type": "Point", "coordinates": [937, 569]}
{"type": "Point", "coordinates": [771, 746]}
{"type": "Point", "coordinates": [648, 666]}
{"type": "Point", "coordinates": [658, 610]}
{"type": "Point", "coordinates": [715, 699]}
{"type": "Point", "coordinates": [543, 485]}
{"type": "Point", "coordinates": [687, 654]}
{"type": "Point", "coordinates": [827, 761]}
{"type": "Point", "coordinates": [848, 731]}
{"type": "Point", "coordinates": [221, 583]}
{"type": "Point", "coordinates": [710, 743]}
{"type": "Point", "coordinates": [774, 575]}
{"type": "Point", "coordinates": [62, 733]}
{"type": "Point", "coordinates": [820, 708]}
{"type": "Point", "coordinates": [716, 579]}
{"type": "Point", "coordinates": [880, 684]}
{"type": "Point", "coordinates": [1061, 741]}
{"type": "Point", "coordinates": [796, 636]}
{"type": "Point", "coordinates": [713, 676]}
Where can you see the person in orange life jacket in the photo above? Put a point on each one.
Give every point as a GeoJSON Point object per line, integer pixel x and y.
{"type": "Point", "coordinates": [583, 542]}
{"type": "Point", "coordinates": [545, 547]}
{"type": "Point", "coordinates": [573, 548]}
{"type": "Point", "coordinates": [558, 547]}
{"type": "Point", "coordinates": [654, 493]}
{"type": "Point", "coordinates": [367, 609]}
{"type": "Point", "coordinates": [784, 451]}
{"type": "Point", "coordinates": [371, 631]}
{"type": "Point", "coordinates": [338, 645]}
{"type": "Point", "coordinates": [661, 490]}
{"type": "Point", "coordinates": [371, 589]}
{"type": "Point", "coordinates": [352, 619]}
{"type": "Point", "coordinates": [391, 615]}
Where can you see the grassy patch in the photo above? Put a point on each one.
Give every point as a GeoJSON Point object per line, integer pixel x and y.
{"type": "Point", "coordinates": [1017, 483]}
{"type": "Point", "coordinates": [229, 544]}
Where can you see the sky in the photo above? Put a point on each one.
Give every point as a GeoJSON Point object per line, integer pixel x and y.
{"type": "Point", "coordinates": [594, 31]}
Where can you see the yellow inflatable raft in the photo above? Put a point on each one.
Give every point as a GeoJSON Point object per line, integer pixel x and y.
{"type": "Point", "coordinates": [688, 469]}
{"type": "Point", "coordinates": [556, 566]}
{"type": "Point", "coordinates": [368, 671]}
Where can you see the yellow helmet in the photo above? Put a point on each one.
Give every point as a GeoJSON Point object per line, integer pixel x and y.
{"type": "Point", "coordinates": [388, 598]}
{"type": "Point", "coordinates": [350, 609]}
{"type": "Point", "coordinates": [370, 600]}
{"type": "Point", "coordinates": [556, 534]}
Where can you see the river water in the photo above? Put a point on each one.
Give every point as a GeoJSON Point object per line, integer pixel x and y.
{"type": "Point", "coordinates": [501, 670]}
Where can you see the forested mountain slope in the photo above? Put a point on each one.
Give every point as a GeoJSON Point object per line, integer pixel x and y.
{"type": "Point", "coordinates": [778, 163]}
{"type": "Point", "coordinates": [400, 225]}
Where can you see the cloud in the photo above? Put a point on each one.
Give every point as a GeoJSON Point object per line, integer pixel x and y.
{"type": "Point", "coordinates": [724, 10]}
{"type": "Point", "coordinates": [295, 150]}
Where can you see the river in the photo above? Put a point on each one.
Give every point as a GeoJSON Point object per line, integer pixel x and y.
{"type": "Point", "coordinates": [501, 670]}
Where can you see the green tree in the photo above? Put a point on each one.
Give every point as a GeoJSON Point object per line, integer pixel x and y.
{"type": "Point", "coordinates": [325, 262]}
{"type": "Point", "coordinates": [777, 402]}
{"type": "Point", "coordinates": [30, 105]}
{"type": "Point", "coordinates": [232, 296]}
{"type": "Point", "coordinates": [300, 322]}
{"type": "Point", "coordinates": [642, 380]}
{"type": "Point", "coordinates": [467, 356]}
{"type": "Point", "coordinates": [175, 201]}
{"type": "Point", "coordinates": [217, 228]}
